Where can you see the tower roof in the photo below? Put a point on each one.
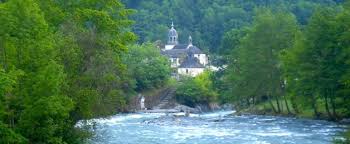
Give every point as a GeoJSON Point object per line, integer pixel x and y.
{"type": "Point", "coordinates": [172, 31]}
{"type": "Point", "coordinates": [190, 40]}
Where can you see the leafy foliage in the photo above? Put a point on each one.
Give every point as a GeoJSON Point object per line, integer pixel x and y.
{"type": "Point", "coordinates": [60, 62]}
{"type": "Point", "coordinates": [147, 66]}
{"type": "Point", "coordinates": [278, 61]}
{"type": "Point", "coordinates": [321, 55]}
{"type": "Point", "coordinates": [7, 135]}
{"type": "Point", "coordinates": [255, 71]}
{"type": "Point", "coordinates": [64, 61]}
{"type": "Point", "coordinates": [198, 90]}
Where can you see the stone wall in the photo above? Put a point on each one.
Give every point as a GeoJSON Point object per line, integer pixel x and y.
{"type": "Point", "coordinates": [190, 71]}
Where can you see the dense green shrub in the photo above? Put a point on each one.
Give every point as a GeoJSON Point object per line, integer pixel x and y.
{"type": "Point", "coordinates": [147, 66]}
{"type": "Point", "coordinates": [197, 90]}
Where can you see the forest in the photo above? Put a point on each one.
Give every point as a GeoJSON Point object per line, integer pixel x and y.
{"type": "Point", "coordinates": [210, 20]}
{"type": "Point", "coordinates": [65, 61]}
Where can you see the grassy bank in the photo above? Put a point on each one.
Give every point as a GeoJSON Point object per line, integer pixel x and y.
{"type": "Point", "coordinates": [265, 108]}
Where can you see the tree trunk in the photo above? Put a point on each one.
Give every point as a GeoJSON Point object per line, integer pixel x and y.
{"type": "Point", "coordinates": [247, 101]}
{"type": "Point", "coordinates": [285, 100]}
{"type": "Point", "coordinates": [4, 59]}
{"type": "Point", "coordinates": [278, 105]}
{"type": "Point", "coordinates": [281, 104]}
{"type": "Point", "coordinates": [333, 105]}
{"type": "Point", "coordinates": [273, 107]}
{"type": "Point", "coordinates": [254, 100]}
{"type": "Point", "coordinates": [326, 105]}
{"type": "Point", "coordinates": [333, 108]}
{"type": "Point", "coordinates": [314, 106]}
{"type": "Point", "coordinates": [294, 104]}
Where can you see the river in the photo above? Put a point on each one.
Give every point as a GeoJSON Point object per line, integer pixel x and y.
{"type": "Point", "coordinates": [212, 128]}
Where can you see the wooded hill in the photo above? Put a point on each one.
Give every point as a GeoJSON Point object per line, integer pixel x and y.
{"type": "Point", "coordinates": [208, 20]}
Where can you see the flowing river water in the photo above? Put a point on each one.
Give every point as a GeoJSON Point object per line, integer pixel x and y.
{"type": "Point", "coordinates": [212, 128]}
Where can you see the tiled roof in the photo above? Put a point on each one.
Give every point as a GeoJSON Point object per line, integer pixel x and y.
{"type": "Point", "coordinates": [174, 52]}
{"type": "Point", "coordinates": [181, 49]}
{"type": "Point", "coordinates": [191, 62]}
{"type": "Point", "coordinates": [180, 46]}
{"type": "Point", "coordinates": [195, 50]}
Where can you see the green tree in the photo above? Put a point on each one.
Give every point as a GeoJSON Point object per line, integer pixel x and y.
{"type": "Point", "coordinates": [254, 71]}
{"type": "Point", "coordinates": [7, 81]}
{"type": "Point", "coordinates": [91, 40]}
{"type": "Point", "coordinates": [197, 90]}
{"type": "Point", "coordinates": [147, 66]}
{"type": "Point", "coordinates": [319, 62]}
{"type": "Point", "coordinates": [343, 23]}
{"type": "Point", "coordinates": [28, 54]}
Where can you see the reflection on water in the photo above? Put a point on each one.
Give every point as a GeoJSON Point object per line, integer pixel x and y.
{"type": "Point", "coordinates": [218, 128]}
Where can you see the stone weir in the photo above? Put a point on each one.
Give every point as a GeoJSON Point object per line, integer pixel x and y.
{"type": "Point", "coordinates": [176, 109]}
{"type": "Point", "coordinates": [164, 102]}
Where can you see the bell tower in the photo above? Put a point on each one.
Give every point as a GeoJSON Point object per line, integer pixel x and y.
{"type": "Point", "coordinates": [172, 38]}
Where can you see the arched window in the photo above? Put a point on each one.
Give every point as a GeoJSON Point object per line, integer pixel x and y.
{"type": "Point", "coordinates": [186, 71]}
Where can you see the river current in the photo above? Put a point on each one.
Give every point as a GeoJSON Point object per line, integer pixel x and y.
{"type": "Point", "coordinates": [211, 128]}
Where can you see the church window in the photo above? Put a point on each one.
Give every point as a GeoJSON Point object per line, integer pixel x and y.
{"type": "Point", "coordinates": [187, 71]}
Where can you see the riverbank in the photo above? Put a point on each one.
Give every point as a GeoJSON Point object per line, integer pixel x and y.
{"type": "Point", "coordinates": [266, 110]}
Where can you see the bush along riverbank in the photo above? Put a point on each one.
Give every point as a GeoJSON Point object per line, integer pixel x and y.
{"type": "Point", "coordinates": [197, 92]}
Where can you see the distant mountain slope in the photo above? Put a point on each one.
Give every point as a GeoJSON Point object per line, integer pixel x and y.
{"type": "Point", "coordinates": [208, 20]}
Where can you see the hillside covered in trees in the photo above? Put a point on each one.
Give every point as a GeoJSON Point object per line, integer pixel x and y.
{"type": "Point", "coordinates": [208, 21]}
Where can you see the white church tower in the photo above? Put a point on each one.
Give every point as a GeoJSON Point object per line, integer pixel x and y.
{"type": "Point", "coordinates": [172, 38]}
{"type": "Point", "coordinates": [184, 59]}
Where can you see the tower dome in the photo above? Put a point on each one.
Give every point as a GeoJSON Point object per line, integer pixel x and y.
{"type": "Point", "coordinates": [172, 32]}
{"type": "Point", "coordinates": [172, 35]}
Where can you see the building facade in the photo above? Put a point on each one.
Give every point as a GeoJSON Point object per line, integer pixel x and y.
{"type": "Point", "coordinates": [185, 59]}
